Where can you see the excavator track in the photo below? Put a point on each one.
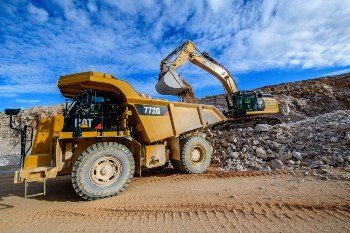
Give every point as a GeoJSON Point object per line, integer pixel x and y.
{"type": "Point", "coordinates": [245, 122]}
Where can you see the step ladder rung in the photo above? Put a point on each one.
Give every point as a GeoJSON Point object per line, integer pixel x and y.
{"type": "Point", "coordinates": [26, 186]}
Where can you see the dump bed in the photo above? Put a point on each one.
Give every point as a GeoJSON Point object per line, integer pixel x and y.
{"type": "Point", "coordinates": [158, 120]}
{"type": "Point", "coordinates": [153, 119]}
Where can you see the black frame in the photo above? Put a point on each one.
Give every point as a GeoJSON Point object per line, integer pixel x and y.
{"type": "Point", "coordinates": [23, 131]}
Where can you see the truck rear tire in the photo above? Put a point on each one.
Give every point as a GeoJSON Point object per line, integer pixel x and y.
{"type": "Point", "coordinates": [196, 154]}
{"type": "Point", "coordinates": [103, 170]}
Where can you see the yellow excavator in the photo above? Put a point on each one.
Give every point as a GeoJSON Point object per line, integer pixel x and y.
{"type": "Point", "coordinates": [241, 104]}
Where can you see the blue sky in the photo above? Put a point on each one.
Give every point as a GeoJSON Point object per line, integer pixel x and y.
{"type": "Point", "coordinates": [260, 42]}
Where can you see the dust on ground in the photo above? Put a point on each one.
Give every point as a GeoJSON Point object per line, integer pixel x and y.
{"type": "Point", "coordinates": [215, 201]}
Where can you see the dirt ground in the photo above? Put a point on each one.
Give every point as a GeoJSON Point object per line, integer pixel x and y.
{"type": "Point", "coordinates": [215, 201]}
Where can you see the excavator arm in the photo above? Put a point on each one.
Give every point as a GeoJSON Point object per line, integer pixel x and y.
{"type": "Point", "coordinates": [171, 83]}
{"type": "Point", "coordinates": [239, 103]}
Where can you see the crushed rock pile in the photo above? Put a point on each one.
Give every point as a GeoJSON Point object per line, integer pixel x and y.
{"type": "Point", "coordinates": [314, 143]}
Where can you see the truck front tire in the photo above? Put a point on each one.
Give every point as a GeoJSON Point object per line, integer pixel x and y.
{"type": "Point", "coordinates": [103, 170]}
{"type": "Point", "coordinates": [196, 154]}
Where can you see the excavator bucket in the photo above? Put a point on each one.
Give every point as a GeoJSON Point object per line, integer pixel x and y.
{"type": "Point", "coordinates": [171, 83]}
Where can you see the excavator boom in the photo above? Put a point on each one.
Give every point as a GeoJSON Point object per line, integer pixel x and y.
{"type": "Point", "coordinates": [171, 83]}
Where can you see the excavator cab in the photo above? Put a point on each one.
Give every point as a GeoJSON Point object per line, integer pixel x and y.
{"type": "Point", "coordinates": [247, 101]}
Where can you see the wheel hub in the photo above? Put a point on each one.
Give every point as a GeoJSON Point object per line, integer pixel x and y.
{"type": "Point", "coordinates": [197, 155]}
{"type": "Point", "coordinates": [105, 171]}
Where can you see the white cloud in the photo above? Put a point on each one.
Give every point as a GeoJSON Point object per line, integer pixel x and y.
{"type": "Point", "coordinates": [39, 14]}
{"type": "Point", "coordinates": [8, 95]}
{"type": "Point", "coordinates": [8, 90]}
{"type": "Point", "coordinates": [309, 34]}
{"type": "Point", "coordinates": [26, 101]}
{"type": "Point", "coordinates": [343, 71]}
{"type": "Point", "coordinates": [91, 5]}
{"type": "Point", "coordinates": [217, 5]}
{"type": "Point", "coordinates": [130, 39]}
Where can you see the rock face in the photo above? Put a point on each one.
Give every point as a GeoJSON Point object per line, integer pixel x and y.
{"type": "Point", "coordinates": [260, 153]}
{"type": "Point", "coordinates": [276, 164]}
{"type": "Point", "coordinates": [316, 142]}
{"type": "Point", "coordinates": [305, 98]}
{"type": "Point", "coordinates": [262, 127]}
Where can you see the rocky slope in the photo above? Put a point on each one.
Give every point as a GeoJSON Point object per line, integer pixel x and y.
{"type": "Point", "coordinates": [304, 98]}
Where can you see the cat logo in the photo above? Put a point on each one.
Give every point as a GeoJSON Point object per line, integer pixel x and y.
{"type": "Point", "coordinates": [84, 123]}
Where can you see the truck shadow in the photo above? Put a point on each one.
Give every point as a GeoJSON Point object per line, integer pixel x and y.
{"type": "Point", "coordinates": [4, 206]}
{"type": "Point", "coordinates": [58, 189]}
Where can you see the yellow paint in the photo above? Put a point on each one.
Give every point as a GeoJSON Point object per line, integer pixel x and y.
{"type": "Point", "coordinates": [155, 155]}
{"type": "Point", "coordinates": [41, 153]}
{"type": "Point", "coordinates": [37, 160]}
{"type": "Point", "coordinates": [271, 106]}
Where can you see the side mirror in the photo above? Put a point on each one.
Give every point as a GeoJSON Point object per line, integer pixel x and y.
{"type": "Point", "coordinates": [12, 112]}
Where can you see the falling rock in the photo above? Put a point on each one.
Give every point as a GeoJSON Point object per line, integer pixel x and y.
{"type": "Point", "coordinates": [276, 164]}
{"type": "Point", "coordinates": [260, 153]}
{"type": "Point", "coordinates": [262, 128]}
{"type": "Point", "coordinates": [270, 156]}
{"type": "Point", "coordinates": [316, 164]}
{"type": "Point", "coordinates": [224, 144]}
{"type": "Point", "coordinates": [334, 139]}
{"type": "Point", "coordinates": [297, 155]}
{"type": "Point", "coordinates": [347, 158]}
{"type": "Point", "coordinates": [286, 157]}
{"type": "Point", "coordinates": [239, 168]}
{"type": "Point", "coordinates": [256, 142]}
{"type": "Point", "coordinates": [232, 155]}
{"type": "Point", "coordinates": [339, 159]}
{"type": "Point", "coordinates": [215, 160]}
{"type": "Point", "coordinates": [347, 136]}
{"type": "Point", "coordinates": [250, 132]}
{"type": "Point", "coordinates": [275, 146]}
{"type": "Point", "coordinates": [290, 162]}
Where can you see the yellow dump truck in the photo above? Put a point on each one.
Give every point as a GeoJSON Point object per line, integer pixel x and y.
{"type": "Point", "coordinates": [108, 132]}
